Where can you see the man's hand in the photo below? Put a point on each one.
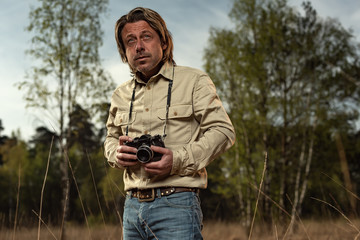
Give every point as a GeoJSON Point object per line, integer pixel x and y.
{"type": "Point", "coordinates": [164, 165]}
{"type": "Point", "coordinates": [125, 155]}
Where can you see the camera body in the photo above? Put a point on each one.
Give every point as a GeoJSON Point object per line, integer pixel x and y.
{"type": "Point", "coordinates": [145, 154]}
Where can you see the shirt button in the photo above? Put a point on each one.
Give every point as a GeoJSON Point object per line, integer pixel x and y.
{"type": "Point", "coordinates": [146, 109]}
{"type": "Point", "coordinates": [175, 113]}
{"type": "Point", "coordinates": [148, 87]}
{"type": "Point", "coordinates": [146, 132]}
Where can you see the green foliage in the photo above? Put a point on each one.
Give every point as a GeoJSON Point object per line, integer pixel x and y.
{"type": "Point", "coordinates": [67, 82]}
{"type": "Point", "coordinates": [66, 38]}
{"type": "Point", "coordinates": [14, 155]}
{"type": "Point", "coordinates": [283, 76]}
{"type": "Point", "coordinates": [288, 81]}
{"type": "Point", "coordinates": [113, 186]}
{"type": "Point", "coordinates": [40, 152]}
{"type": "Point", "coordinates": [100, 188]}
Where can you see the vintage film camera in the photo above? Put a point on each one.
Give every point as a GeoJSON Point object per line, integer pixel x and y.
{"type": "Point", "coordinates": [143, 143]}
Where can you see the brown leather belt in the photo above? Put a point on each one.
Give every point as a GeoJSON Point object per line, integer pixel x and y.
{"type": "Point", "coordinates": [148, 195]}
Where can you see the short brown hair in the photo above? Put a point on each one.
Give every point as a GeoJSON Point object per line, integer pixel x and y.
{"type": "Point", "coordinates": [155, 21]}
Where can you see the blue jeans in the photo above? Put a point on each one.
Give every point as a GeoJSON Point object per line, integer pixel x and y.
{"type": "Point", "coordinates": [177, 216]}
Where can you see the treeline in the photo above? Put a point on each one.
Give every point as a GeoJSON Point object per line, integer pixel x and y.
{"type": "Point", "coordinates": [289, 81]}
{"type": "Point", "coordinates": [30, 174]}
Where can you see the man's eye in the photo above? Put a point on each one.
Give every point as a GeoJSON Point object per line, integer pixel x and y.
{"type": "Point", "coordinates": [130, 41]}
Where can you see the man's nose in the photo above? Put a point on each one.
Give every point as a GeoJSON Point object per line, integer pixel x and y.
{"type": "Point", "coordinates": [139, 46]}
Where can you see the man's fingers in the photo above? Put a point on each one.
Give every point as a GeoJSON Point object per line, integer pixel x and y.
{"type": "Point", "coordinates": [123, 139]}
{"type": "Point", "coordinates": [126, 157]}
{"type": "Point", "coordinates": [160, 149]}
{"type": "Point", "coordinates": [164, 165]}
{"type": "Point", "coordinates": [126, 149]}
{"type": "Point", "coordinates": [127, 163]}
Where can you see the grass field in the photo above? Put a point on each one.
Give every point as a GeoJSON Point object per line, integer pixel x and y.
{"type": "Point", "coordinates": [326, 230]}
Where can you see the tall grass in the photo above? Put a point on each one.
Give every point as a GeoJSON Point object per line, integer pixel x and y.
{"type": "Point", "coordinates": [315, 230]}
{"type": "Point", "coordinates": [43, 188]}
{"type": "Point", "coordinates": [95, 189]}
{"type": "Point", "coordinates": [213, 230]}
{"type": "Point", "coordinates": [345, 228]}
{"type": "Point", "coordinates": [17, 201]}
{"type": "Point", "coordinates": [258, 196]}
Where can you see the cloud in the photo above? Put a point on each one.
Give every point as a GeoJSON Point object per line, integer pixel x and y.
{"type": "Point", "coordinates": [117, 69]}
{"type": "Point", "coordinates": [188, 20]}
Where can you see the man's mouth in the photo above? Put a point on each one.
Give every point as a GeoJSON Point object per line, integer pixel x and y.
{"type": "Point", "coordinates": [141, 57]}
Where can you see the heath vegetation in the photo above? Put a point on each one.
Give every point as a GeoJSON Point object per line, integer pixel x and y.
{"type": "Point", "coordinates": [290, 82]}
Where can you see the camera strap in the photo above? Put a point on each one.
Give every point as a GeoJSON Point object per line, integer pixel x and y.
{"type": "Point", "coordinates": [168, 101]}
{"type": "Point", "coordinates": [131, 107]}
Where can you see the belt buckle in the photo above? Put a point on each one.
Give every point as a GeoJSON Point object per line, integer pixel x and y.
{"type": "Point", "coordinates": [146, 198]}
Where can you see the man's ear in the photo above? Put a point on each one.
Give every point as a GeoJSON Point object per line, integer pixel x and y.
{"type": "Point", "coordinates": [163, 46]}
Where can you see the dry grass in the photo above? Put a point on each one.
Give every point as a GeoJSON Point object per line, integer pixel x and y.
{"type": "Point", "coordinates": [344, 229]}
{"type": "Point", "coordinates": [316, 230]}
{"type": "Point", "coordinates": [325, 230]}
{"type": "Point", "coordinates": [72, 232]}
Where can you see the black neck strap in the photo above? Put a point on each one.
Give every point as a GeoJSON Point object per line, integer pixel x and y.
{"type": "Point", "coordinates": [167, 104]}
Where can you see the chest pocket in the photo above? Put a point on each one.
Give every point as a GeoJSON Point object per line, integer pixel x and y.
{"type": "Point", "coordinates": [178, 127]}
{"type": "Point", "coordinates": [122, 120]}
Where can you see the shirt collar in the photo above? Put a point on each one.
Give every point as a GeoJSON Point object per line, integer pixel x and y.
{"type": "Point", "coordinates": [165, 71]}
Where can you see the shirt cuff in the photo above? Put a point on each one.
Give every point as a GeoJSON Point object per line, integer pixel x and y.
{"type": "Point", "coordinates": [111, 159]}
{"type": "Point", "coordinates": [176, 166]}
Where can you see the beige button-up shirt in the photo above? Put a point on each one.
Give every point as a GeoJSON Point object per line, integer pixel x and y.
{"type": "Point", "coordinates": [198, 127]}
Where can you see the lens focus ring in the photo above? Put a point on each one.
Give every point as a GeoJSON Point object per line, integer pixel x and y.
{"type": "Point", "coordinates": [144, 154]}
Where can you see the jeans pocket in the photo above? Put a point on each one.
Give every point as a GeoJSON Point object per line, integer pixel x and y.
{"type": "Point", "coordinates": [181, 200]}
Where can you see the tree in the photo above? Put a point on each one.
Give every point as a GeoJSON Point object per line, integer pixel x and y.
{"type": "Point", "coordinates": [14, 152]}
{"type": "Point", "coordinates": [82, 130]}
{"type": "Point", "coordinates": [67, 36]}
{"type": "Point", "coordinates": [39, 148]}
{"type": "Point", "coordinates": [281, 74]}
{"type": "Point", "coordinates": [3, 139]}
{"type": "Point", "coordinates": [83, 146]}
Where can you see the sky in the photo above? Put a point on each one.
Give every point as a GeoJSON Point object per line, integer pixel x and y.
{"type": "Point", "coordinates": [188, 20]}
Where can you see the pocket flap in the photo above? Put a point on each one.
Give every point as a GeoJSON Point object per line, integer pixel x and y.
{"type": "Point", "coordinates": [122, 118]}
{"type": "Point", "coordinates": [178, 111]}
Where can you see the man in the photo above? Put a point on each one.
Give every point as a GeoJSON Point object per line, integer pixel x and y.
{"type": "Point", "coordinates": [177, 104]}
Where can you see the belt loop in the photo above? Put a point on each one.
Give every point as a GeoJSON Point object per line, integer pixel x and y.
{"type": "Point", "coordinates": [158, 192]}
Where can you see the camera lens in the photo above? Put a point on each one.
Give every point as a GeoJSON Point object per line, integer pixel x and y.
{"type": "Point", "coordinates": [144, 154]}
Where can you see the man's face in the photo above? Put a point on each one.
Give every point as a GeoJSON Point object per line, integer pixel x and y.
{"type": "Point", "coordinates": [144, 49]}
